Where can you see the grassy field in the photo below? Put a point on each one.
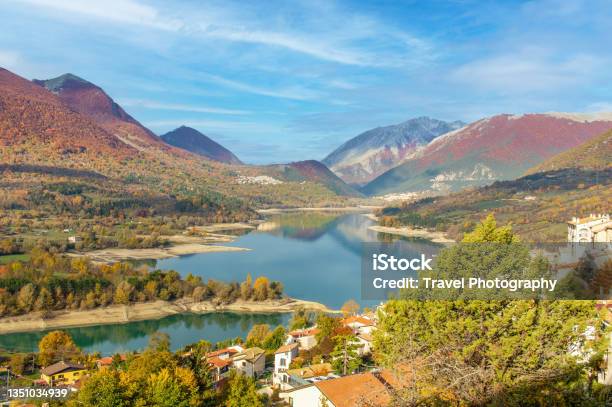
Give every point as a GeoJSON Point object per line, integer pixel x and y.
{"type": "Point", "coordinates": [13, 257]}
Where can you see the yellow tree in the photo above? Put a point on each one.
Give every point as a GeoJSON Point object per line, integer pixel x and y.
{"type": "Point", "coordinates": [56, 346]}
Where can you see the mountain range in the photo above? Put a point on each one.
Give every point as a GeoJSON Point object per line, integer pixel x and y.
{"type": "Point", "coordinates": [366, 156]}
{"type": "Point", "coordinates": [500, 147]}
{"type": "Point", "coordinates": [69, 127]}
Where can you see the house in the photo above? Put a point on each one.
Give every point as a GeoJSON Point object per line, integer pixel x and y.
{"type": "Point", "coordinates": [62, 373]}
{"type": "Point", "coordinates": [591, 229]}
{"type": "Point", "coordinates": [225, 353]}
{"type": "Point", "coordinates": [305, 338]}
{"type": "Point", "coordinates": [304, 376]}
{"type": "Point", "coordinates": [348, 391]}
{"type": "Point", "coordinates": [74, 239]}
{"type": "Point", "coordinates": [360, 324]}
{"type": "Point", "coordinates": [251, 361]}
{"type": "Point", "coordinates": [364, 343]}
{"type": "Point", "coordinates": [220, 368]}
{"type": "Point", "coordinates": [282, 359]}
{"type": "Point", "coordinates": [220, 361]}
{"type": "Point", "coordinates": [105, 362]}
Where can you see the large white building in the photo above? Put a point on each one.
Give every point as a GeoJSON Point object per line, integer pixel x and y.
{"type": "Point", "coordinates": [592, 229]}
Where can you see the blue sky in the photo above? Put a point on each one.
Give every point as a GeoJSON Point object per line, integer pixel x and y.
{"type": "Point", "coordinates": [290, 80]}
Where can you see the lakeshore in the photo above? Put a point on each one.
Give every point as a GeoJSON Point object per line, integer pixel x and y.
{"type": "Point", "coordinates": [434, 236]}
{"type": "Point", "coordinates": [205, 240]}
{"type": "Point", "coordinates": [119, 314]}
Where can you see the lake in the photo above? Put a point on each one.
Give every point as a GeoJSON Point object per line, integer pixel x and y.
{"type": "Point", "coordinates": [316, 255]}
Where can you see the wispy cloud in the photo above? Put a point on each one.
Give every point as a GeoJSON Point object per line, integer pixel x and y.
{"type": "Point", "coordinates": [342, 40]}
{"type": "Point", "coordinates": [527, 70]}
{"type": "Point", "coordinates": [295, 92]}
{"type": "Point", "coordinates": [151, 104]}
{"type": "Point", "coordinates": [119, 11]}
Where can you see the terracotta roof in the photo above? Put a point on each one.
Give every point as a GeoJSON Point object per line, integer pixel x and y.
{"type": "Point", "coordinates": [287, 348]}
{"type": "Point", "coordinates": [230, 351]}
{"type": "Point", "coordinates": [60, 367]}
{"type": "Point", "coordinates": [108, 360]}
{"type": "Point", "coordinates": [366, 337]}
{"type": "Point", "coordinates": [349, 391]}
{"type": "Point", "coordinates": [304, 332]}
{"type": "Point", "coordinates": [358, 319]}
{"type": "Point", "coordinates": [218, 362]}
{"type": "Point", "coordinates": [398, 378]}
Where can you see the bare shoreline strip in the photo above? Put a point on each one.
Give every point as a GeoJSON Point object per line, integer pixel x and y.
{"type": "Point", "coordinates": [436, 237]}
{"type": "Point", "coordinates": [321, 209]}
{"type": "Point", "coordinates": [121, 314]}
{"type": "Point", "coordinates": [114, 255]}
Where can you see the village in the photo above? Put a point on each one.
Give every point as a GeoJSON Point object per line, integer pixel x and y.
{"type": "Point", "coordinates": [282, 375]}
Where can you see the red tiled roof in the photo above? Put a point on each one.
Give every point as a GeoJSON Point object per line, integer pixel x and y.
{"type": "Point", "coordinates": [231, 351]}
{"type": "Point", "coordinates": [218, 362]}
{"type": "Point", "coordinates": [350, 391]}
{"type": "Point", "coordinates": [286, 348]}
{"type": "Point", "coordinates": [108, 360]}
{"type": "Point", "coordinates": [304, 332]}
{"type": "Point", "coordinates": [358, 319]}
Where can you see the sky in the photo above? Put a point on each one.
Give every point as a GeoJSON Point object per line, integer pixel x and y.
{"type": "Point", "coordinates": [279, 81]}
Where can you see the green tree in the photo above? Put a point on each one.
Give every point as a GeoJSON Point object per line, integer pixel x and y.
{"type": "Point", "coordinates": [257, 334]}
{"type": "Point", "coordinates": [345, 357]}
{"type": "Point", "coordinates": [300, 319]}
{"type": "Point", "coordinates": [275, 339]}
{"type": "Point", "coordinates": [242, 392]}
{"type": "Point", "coordinates": [103, 389]}
{"type": "Point", "coordinates": [499, 352]}
{"type": "Point", "coordinates": [487, 231]}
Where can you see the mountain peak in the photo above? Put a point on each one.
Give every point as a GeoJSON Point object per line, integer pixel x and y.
{"type": "Point", "coordinates": [375, 151]}
{"type": "Point", "coordinates": [192, 140]}
{"type": "Point", "coordinates": [65, 81]}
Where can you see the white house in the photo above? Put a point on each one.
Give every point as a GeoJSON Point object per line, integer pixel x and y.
{"type": "Point", "coordinates": [360, 324]}
{"type": "Point", "coordinates": [251, 361]}
{"type": "Point", "coordinates": [305, 338]}
{"type": "Point", "coordinates": [364, 343]}
{"type": "Point", "coordinates": [282, 359]}
{"type": "Point", "coordinates": [592, 229]}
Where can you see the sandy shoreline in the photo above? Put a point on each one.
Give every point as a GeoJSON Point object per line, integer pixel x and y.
{"type": "Point", "coordinates": [322, 209]}
{"type": "Point", "coordinates": [121, 314]}
{"type": "Point", "coordinates": [436, 237]}
{"type": "Point", "coordinates": [115, 255]}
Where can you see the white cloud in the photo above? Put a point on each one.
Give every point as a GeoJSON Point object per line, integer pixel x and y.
{"type": "Point", "coordinates": [292, 92]}
{"type": "Point", "coordinates": [337, 36]}
{"type": "Point", "coordinates": [151, 104]}
{"type": "Point", "coordinates": [527, 70]}
{"type": "Point", "coordinates": [120, 11]}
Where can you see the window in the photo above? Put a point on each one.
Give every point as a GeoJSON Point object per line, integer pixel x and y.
{"type": "Point", "coordinates": [283, 362]}
{"type": "Point", "coordinates": [60, 376]}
